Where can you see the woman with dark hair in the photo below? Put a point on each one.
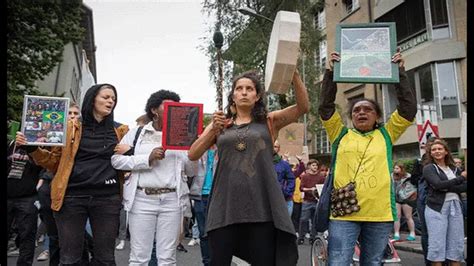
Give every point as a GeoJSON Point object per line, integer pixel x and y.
{"type": "Point", "coordinates": [247, 214]}
{"type": "Point", "coordinates": [85, 185]}
{"type": "Point", "coordinates": [362, 162]}
{"type": "Point", "coordinates": [443, 211]}
{"type": "Point", "coordinates": [156, 193]}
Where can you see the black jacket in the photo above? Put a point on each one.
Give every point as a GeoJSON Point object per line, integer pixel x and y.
{"type": "Point", "coordinates": [439, 185]}
{"type": "Point", "coordinates": [26, 185]}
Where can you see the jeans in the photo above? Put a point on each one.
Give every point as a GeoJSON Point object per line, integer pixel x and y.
{"type": "Point", "coordinates": [44, 196]}
{"type": "Point", "coordinates": [289, 205]}
{"type": "Point", "coordinates": [122, 235]}
{"type": "Point", "coordinates": [200, 211]}
{"type": "Point", "coordinates": [373, 238]}
{"type": "Point", "coordinates": [420, 206]}
{"type": "Point", "coordinates": [308, 210]}
{"type": "Point", "coordinates": [154, 217]}
{"type": "Point", "coordinates": [25, 214]}
{"type": "Point", "coordinates": [103, 213]}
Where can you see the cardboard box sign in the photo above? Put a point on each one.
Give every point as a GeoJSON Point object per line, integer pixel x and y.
{"type": "Point", "coordinates": [283, 51]}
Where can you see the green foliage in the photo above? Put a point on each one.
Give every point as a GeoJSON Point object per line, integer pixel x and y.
{"type": "Point", "coordinates": [408, 163]}
{"type": "Point", "coordinates": [246, 42]}
{"type": "Point", "coordinates": [37, 32]}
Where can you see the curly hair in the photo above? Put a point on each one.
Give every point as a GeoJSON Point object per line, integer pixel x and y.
{"type": "Point", "coordinates": [259, 111]}
{"type": "Point", "coordinates": [376, 106]}
{"type": "Point", "coordinates": [157, 98]}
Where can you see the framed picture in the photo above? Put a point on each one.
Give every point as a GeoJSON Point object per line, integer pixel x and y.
{"type": "Point", "coordinates": [44, 120]}
{"type": "Point", "coordinates": [182, 124]}
{"type": "Point", "coordinates": [366, 52]}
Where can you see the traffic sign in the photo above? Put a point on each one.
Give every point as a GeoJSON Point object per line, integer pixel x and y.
{"type": "Point", "coordinates": [428, 130]}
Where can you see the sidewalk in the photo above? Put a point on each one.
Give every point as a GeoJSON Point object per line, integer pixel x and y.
{"type": "Point", "coordinates": [410, 246]}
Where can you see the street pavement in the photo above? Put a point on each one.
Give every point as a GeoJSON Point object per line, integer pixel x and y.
{"type": "Point", "coordinates": [193, 256]}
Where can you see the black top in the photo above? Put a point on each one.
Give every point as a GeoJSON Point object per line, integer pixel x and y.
{"type": "Point", "coordinates": [22, 174]}
{"type": "Point", "coordinates": [246, 190]}
{"type": "Point", "coordinates": [92, 173]}
{"type": "Point", "coordinates": [438, 185]}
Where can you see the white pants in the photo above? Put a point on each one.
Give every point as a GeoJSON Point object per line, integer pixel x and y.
{"type": "Point", "coordinates": [154, 217]}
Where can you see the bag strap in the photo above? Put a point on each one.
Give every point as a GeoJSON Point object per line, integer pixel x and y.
{"type": "Point", "coordinates": [136, 135]}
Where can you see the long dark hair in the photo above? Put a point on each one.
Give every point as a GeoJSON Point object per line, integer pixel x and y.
{"type": "Point", "coordinates": [259, 111]}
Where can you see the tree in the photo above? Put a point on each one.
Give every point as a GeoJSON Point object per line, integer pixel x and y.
{"type": "Point", "coordinates": [37, 32]}
{"type": "Point", "coordinates": [246, 43]}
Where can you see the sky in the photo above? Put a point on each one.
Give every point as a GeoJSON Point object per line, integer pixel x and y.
{"type": "Point", "coordinates": [144, 46]}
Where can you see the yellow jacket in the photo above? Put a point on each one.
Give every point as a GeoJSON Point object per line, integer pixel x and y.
{"type": "Point", "coordinates": [297, 194]}
{"type": "Point", "coordinates": [60, 160]}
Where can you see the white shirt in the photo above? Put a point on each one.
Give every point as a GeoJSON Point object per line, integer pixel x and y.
{"type": "Point", "coordinates": [450, 174]}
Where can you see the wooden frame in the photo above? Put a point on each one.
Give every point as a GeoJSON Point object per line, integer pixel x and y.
{"type": "Point", "coordinates": [366, 52]}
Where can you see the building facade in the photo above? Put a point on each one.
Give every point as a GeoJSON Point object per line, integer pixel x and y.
{"type": "Point", "coordinates": [432, 37]}
{"type": "Point", "coordinates": [66, 78]}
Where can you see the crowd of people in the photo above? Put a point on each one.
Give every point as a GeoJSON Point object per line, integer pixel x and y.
{"type": "Point", "coordinates": [245, 198]}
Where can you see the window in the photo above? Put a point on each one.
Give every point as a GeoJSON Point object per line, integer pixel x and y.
{"type": "Point", "coordinates": [322, 144]}
{"type": "Point", "coordinates": [350, 5]}
{"type": "Point", "coordinates": [448, 90]}
{"type": "Point", "coordinates": [436, 86]}
{"type": "Point", "coordinates": [439, 19]}
{"type": "Point", "coordinates": [409, 17]}
{"type": "Point", "coordinates": [321, 20]}
{"type": "Point", "coordinates": [323, 50]}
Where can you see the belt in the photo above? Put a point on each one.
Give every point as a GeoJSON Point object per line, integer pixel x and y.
{"type": "Point", "coordinates": [156, 190]}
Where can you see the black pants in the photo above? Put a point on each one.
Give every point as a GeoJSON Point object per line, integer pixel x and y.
{"type": "Point", "coordinates": [252, 242]}
{"type": "Point", "coordinates": [44, 196]}
{"type": "Point", "coordinates": [104, 215]}
{"type": "Point", "coordinates": [25, 214]}
{"type": "Point", "coordinates": [296, 215]}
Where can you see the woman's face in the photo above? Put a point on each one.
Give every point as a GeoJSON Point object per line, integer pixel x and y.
{"type": "Point", "coordinates": [438, 152]}
{"type": "Point", "coordinates": [245, 93]}
{"type": "Point", "coordinates": [364, 116]}
{"type": "Point", "coordinates": [74, 113]}
{"type": "Point", "coordinates": [397, 169]}
{"type": "Point", "coordinates": [104, 102]}
{"type": "Point", "coordinates": [158, 111]}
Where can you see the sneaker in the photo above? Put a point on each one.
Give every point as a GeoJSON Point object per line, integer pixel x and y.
{"type": "Point", "coordinates": [43, 256]}
{"type": "Point", "coordinates": [396, 237]}
{"type": "Point", "coordinates": [410, 238]}
{"type": "Point", "coordinates": [120, 245]}
{"type": "Point", "coordinates": [193, 242]}
{"type": "Point", "coordinates": [13, 253]}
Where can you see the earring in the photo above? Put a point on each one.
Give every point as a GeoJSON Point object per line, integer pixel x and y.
{"type": "Point", "coordinates": [233, 111]}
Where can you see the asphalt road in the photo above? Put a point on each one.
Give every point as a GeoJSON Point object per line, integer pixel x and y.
{"type": "Point", "coordinates": [193, 257]}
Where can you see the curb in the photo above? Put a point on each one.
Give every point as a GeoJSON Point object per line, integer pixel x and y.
{"type": "Point", "coordinates": [409, 249]}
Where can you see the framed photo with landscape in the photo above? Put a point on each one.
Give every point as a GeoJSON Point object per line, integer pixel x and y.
{"type": "Point", "coordinates": [44, 120]}
{"type": "Point", "coordinates": [366, 52]}
{"type": "Point", "coordinates": [182, 124]}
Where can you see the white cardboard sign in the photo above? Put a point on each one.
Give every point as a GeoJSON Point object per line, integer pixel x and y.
{"type": "Point", "coordinates": [283, 51]}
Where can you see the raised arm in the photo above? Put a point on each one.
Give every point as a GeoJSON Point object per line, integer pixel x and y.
{"type": "Point", "coordinates": [406, 94]}
{"type": "Point", "coordinates": [328, 90]}
{"type": "Point", "coordinates": [208, 137]}
{"type": "Point", "coordinates": [291, 114]}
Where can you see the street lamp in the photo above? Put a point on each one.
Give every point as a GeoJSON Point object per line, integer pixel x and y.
{"type": "Point", "coordinates": [250, 12]}
{"type": "Point", "coordinates": [218, 39]}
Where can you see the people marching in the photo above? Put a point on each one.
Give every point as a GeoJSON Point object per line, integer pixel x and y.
{"type": "Point", "coordinates": [235, 188]}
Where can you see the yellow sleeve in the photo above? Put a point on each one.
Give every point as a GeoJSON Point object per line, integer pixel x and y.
{"type": "Point", "coordinates": [333, 126]}
{"type": "Point", "coordinates": [396, 125]}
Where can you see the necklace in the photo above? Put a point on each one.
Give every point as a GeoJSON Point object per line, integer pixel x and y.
{"type": "Point", "coordinates": [241, 133]}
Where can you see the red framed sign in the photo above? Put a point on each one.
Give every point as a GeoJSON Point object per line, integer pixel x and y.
{"type": "Point", "coordinates": [182, 124]}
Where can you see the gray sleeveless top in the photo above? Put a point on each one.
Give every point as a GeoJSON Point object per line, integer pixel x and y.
{"type": "Point", "coordinates": [246, 189]}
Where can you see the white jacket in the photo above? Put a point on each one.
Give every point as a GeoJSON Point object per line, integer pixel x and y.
{"type": "Point", "coordinates": [138, 165]}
